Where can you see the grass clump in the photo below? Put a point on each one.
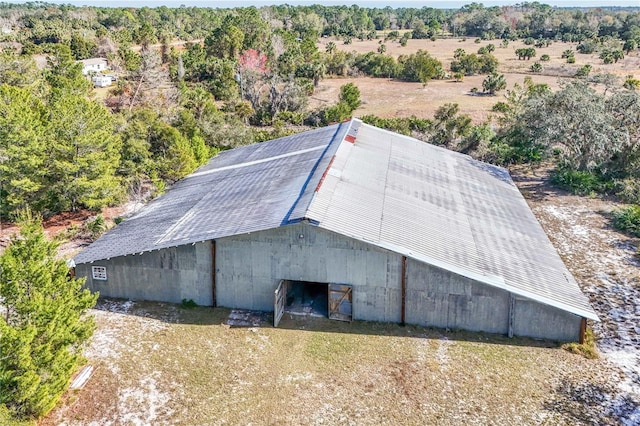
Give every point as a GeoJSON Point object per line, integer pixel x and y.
{"type": "Point", "coordinates": [627, 220]}
{"type": "Point", "coordinates": [579, 182]}
{"type": "Point", "coordinates": [188, 304]}
{"type": "Point", "coordinates": [587, 349]}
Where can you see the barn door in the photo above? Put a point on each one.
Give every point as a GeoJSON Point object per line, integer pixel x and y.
{"type": "Point", "coordinates": [340, 306]}
{"type": "Point", "coordinates": [279, 301]}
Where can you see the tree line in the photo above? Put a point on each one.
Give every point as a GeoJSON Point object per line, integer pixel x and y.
{"type": "Point", "coordinates": [41, 23]}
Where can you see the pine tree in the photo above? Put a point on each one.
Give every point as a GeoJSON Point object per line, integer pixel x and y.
{"type": "Point", "coordinates": [43, 324]}
{"type": "Point", "coordinates": [85, 153]}
{"type": "Point", "coordinates": [22, 149]}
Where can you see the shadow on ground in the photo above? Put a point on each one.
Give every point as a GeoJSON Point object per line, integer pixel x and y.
{"type": "Point", "coordinates": [235, 318]}
{"type": "Point", "coordinates": [591, 403]}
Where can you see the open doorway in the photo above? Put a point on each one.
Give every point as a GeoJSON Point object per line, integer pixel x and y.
{"type": "Point", "coordinates": [307, 298]}
{"type": "Point", "coordinates": [327, 300]}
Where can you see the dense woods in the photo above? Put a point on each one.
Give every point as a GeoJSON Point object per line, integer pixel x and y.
{"type": "Point", "coordinates": [194, 81]}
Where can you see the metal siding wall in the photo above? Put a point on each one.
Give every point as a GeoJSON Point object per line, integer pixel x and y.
{"type": "Point", "coordinates": [250, 267]}
{"type": "Point", "coordinates": [439, 298]}
{"type": "Point", "coordinates": [167, 275]}
{"type": "Point", "coordinates": [546, 322]}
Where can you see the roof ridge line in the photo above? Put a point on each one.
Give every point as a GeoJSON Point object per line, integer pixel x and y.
{"type": "Point", "coordinates": [303, 189]}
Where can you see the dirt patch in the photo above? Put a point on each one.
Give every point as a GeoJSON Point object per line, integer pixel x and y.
{"type": "Point", "coordinates": [68, 226]}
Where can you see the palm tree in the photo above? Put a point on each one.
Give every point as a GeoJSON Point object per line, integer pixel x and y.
{"type": "Point", "coordinates": [331, 48]}
{"type": "Point", "coordinates": [617, 55]}
{"type": "Point", "coordinates": [630, 45]}
{"type": "Point", "coordinates": [536, 67]}
{"type": "Point", "coordinates": [493, 83]}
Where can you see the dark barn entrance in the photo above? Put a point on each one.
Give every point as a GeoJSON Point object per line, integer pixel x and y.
{"type": "Point", "coordinates": [327, 300]}
{"type": "Point", "coordinates": [307, 298]}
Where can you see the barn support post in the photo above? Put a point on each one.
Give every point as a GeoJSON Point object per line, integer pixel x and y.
{"type": "Point", "coordinates": [213, 273]}
{"type": "Point", "coordinates": [583, 330]}
{"type": "Point", "coordinates": [403, 289]}
{"type": "Point", "coordinates": [512, 305]}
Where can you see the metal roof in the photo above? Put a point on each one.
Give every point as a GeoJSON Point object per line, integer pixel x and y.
{"type": "Point", "coordinates": [242, 190]}
{"type": "Point", "coordinates": [446, 209]}
{"type": "Point", "coordinates": [436, 206]}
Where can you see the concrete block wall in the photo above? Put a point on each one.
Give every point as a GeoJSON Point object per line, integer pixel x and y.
{"type": "Point", "coordinates": [166, 275]}
{"type": "Point", "coordinates": [439, 298]}
{"type": "Point", "coordinates": [250, 266]}
{"type": "Point", "coordinates": [545, 322]}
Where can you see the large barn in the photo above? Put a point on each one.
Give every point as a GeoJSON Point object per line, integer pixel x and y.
{"type": "Point", "coordinates": [369, 224]}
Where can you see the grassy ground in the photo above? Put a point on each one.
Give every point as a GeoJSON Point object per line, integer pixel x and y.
{"type": "Point", "coordinates": [162, 364]}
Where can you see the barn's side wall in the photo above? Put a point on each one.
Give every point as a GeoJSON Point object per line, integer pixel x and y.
{"type": "Point", "coordinates": [166, 275]}
{"type": "Point", "coordinates": [439, 298]}
{"type": "Point", "coordinates": [545, 322]}
{"type": "Point", "coordinates": [250, 266]}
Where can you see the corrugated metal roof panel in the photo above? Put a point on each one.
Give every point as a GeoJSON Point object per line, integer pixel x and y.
{"type": "Point", "coordinates": [242, 190]}
{"type": "Point", "coordinates": [435, 204]}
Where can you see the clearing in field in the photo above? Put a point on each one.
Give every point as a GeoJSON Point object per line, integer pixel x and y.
{"type": "Point", "coordinates": [394, 98]}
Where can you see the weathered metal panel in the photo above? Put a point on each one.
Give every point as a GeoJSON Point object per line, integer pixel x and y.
{"type": "Point", "coordinates": [394, 191]}
{"type": "Point", "coordinates": [169, 275]}
{"type": "Point", "coordinates": [241, 190]}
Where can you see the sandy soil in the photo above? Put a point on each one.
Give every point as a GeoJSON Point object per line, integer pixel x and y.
{"type": "Point", "coordinates": [605, 263]}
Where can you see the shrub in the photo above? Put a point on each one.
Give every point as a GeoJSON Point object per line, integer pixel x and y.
{"type": "Point", "coordinates": [584, 71]}
{"type": "Point", "coordinates": [96, 226]}
{"type": "Point", "coordinates": [627, 220]}
{"type": "Point", "coordinates": [631, 83]}
{"type": "Point", "coordinates": [587, 349]}
{"type": "Point", "coordinates": [188, 304]}
{"type": "Point", "coordinates": [628, 190]}
{"type": "Point", "coordinates": [587, 47]}
{"type": "Point", "coordinates": [578, 182]}
{"type": "Point", "coordinates": [567, 53]}
{"type": "Point", "coordinates": [545, 58]}
{"type": "Point", "coordinates": [571, 60]}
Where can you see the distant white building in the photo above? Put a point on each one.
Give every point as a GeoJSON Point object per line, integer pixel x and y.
{"type": "Point", "coordinates": [94, 65]}
{"type": "Point", "coordinates": [102, 80]}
